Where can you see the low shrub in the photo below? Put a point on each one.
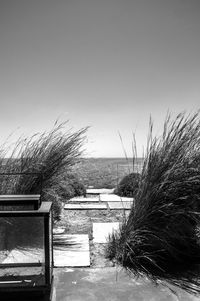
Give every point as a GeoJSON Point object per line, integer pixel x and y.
{"type": "Point", "coordinates": [66, 191]}
{"type": "Point", "coordinates": [128, 186]}
{"type": "Point", "coordinates": [69, 186]}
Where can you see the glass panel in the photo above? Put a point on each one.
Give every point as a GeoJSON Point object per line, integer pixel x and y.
{"type": "Point", "coordinates": [22, 251]}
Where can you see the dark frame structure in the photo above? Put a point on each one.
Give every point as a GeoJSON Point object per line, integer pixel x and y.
{"type": "Point", "coordinates": [16, 289]}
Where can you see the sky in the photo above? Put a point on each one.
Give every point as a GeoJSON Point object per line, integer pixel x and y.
{"type": "Point", "coordinates": [107, 64]}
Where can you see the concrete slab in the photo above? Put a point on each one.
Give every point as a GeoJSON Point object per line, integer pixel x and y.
{"type": "Point", "coordinates": [71, 250]}
{"type": "Point", "coordinates": [85, 206]}
{"type": "Point", "coordinates": [101, 231]}
{"type": "Point", "coordinates": [120, 205]}
{"type": "Point", "coordinates": [109, 197]}
{"type": "Point", "coordinates": [84, 200]}
{"type": "Point", "coordinates": [110, 284]}
{"type": "Point", "coordinates": [99, 191]}
{"type": "Point", "coordinates": [114, 198]}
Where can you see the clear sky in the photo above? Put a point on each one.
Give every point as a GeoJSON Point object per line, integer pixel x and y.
{"type": "Point", "coordinates": [108, 64]}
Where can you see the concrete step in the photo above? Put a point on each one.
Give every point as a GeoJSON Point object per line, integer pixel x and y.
{"type": "Point", "coordinates": [99, 191]}
{"type": "Point", "coordinates": [114, 198]}
{"type": "Point", "coordinates": [120, 205]}
{"type": "Point", "coordinates": [84, 200]}
{"type": "Point", "coordinates": [91, 206]}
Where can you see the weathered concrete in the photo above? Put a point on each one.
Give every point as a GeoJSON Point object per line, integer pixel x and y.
{"type": "Point", "coordinates": [114, 198]}
{"type": "Point", "coordinates": [71, 250]}
{"type": "Point", "coordinates": [85, 206]}
{"type": "Point", "coordinates": [111, 285]}
{"type": "Point", "coordinates": [84, 200]}
{"type": "Point", "coordinates": [101, 231]}
{"type": "Point", "coordinates": [120, 205]}
{"type": "Point", "coordinates": [109, 197]}
{"type": "Point", "coordinates": [99, 191]}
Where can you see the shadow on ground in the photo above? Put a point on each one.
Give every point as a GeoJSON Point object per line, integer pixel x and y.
{"type": "Point", "coordinates": [110, 284]}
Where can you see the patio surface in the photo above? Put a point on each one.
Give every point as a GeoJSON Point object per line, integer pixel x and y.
{"type": "Point", "coordinates": [110, 284]}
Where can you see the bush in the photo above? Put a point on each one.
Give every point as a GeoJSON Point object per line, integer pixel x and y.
{"type": "Point", "coordinates": [46, 155]}
{"type": "Point", "coordinates": [79, 188]}
{"type": "Point", "coordinates": [69, 186]}
{"type": "Point", "coordinates": [159, 237]}
{"type": "Point", "coordinates": [128, 186]}
{"type": "Point", "coordinates": [66, 191]}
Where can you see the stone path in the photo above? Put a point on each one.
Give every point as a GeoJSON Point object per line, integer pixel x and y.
{"type": "Point", "coordinates": [74, 253]}
{"type": "Point", "coordinates": [120, 205]}
{"type": "Point", "coordinates": [114, 198]}
{"type": "Point", "coordinates": [99, 191]}
{"type": "Point", "coordinates": [104, 201]}
{"type": "Point", "coordinates": [71, 250]}
{"type": "Point", "coordinates": [85, 206]}
{"type": "Point", "coordinates": [85, 200]}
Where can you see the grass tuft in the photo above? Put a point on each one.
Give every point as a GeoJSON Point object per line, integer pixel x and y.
{"type": "Point", "coordinates": [43, 156]}
{"type": "Point", "coordinates": [159, 239]}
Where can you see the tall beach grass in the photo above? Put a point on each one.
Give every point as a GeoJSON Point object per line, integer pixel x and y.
{"type": "Point", "coordinates": [159, 239]}
{"type": "Point", "coordinates": [41, 157]}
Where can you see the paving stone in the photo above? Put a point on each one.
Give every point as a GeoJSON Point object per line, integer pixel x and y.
{"type": "Point", "coordinates": [71, 250]}
{"type": "Point", "coordinates": [101, 231]}
{"type": "Point", "coordinates": [109, 197]}
{"type": "Point", "coordinates": [120, 205]}
{"type": "Point", "coordinates": [114, 198]}
{"type": "Point", "coordinates": [100, 191]}
{"type": "Point", "coordinates": [84, 200]}
{"type": "Point", "coordinates": [85, 206]}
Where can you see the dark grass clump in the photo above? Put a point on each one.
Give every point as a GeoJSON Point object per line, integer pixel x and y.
{"type": "Point", "coordinates": [69, 185]}
{"type": "Point", "coordinates": [128, 186]}
{"type": "Point", "coordinates": [159, 239]}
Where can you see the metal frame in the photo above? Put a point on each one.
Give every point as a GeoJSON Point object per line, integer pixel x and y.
{"type": "Point", "coordinates": [43, 211]}
{"type": "Point", "coordinates": [20, 199]}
